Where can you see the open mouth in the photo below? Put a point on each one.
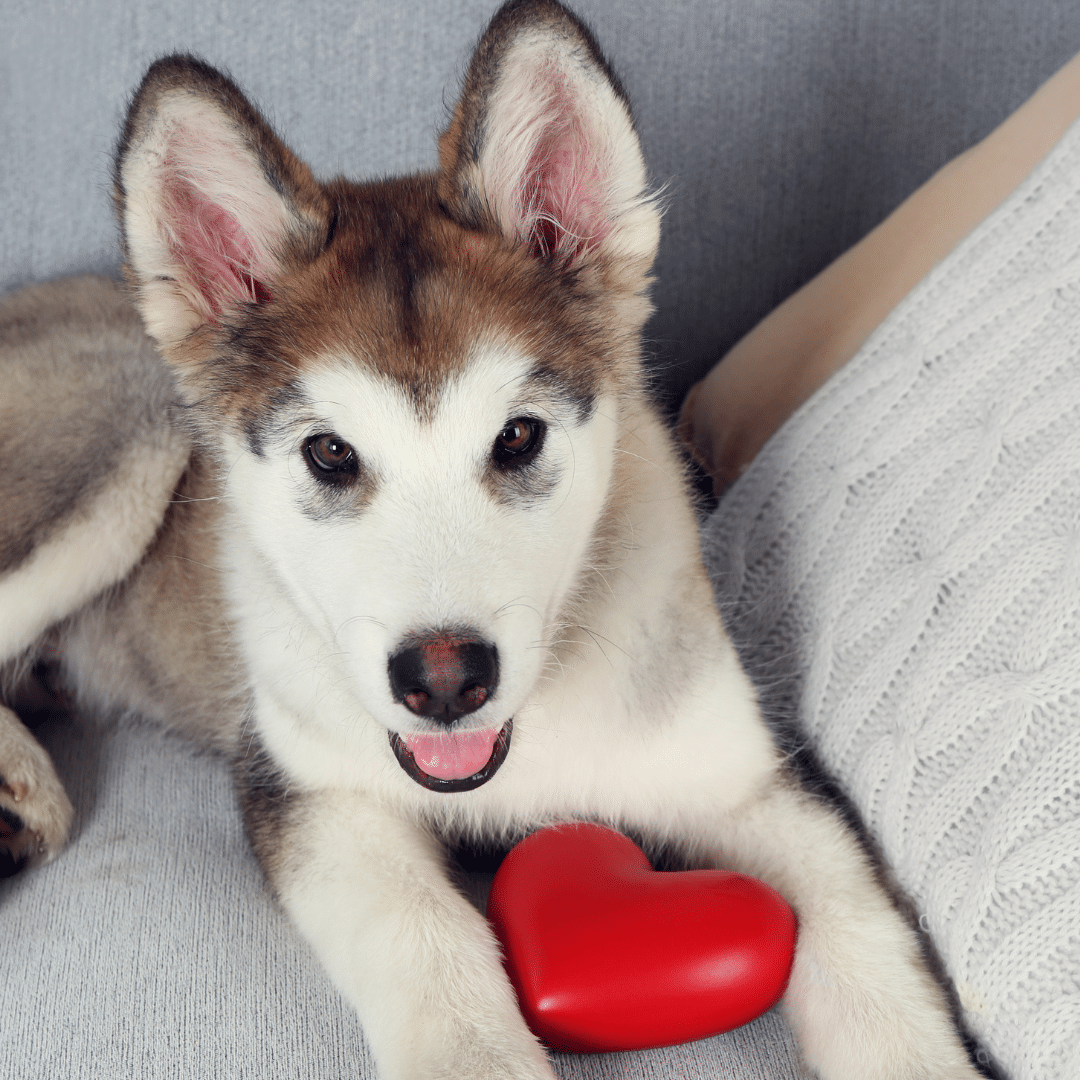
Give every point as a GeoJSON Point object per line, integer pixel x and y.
{"type": "Point", "coordinates": [453, 761]}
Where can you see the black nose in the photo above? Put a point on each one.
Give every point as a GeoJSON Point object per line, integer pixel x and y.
{"type": "Point", "coordinates": [444, 676]}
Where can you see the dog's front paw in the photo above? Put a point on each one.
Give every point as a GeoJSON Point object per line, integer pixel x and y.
{"type": "Point", "coordinates": [479, 1065]}
{"type": "Point", "coordinates": [473, 1042]}
{"type": "Point", "coordinates": [466, 1048]}
{"type": "Point", "coordinates": [35, 812]}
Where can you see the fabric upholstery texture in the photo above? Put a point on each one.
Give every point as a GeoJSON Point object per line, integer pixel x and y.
{"type": "Point", "coordinates": [902, 565]}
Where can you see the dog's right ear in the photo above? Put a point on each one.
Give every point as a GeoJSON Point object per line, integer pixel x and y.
{"type": "Point", "coordinates": [213, 206]}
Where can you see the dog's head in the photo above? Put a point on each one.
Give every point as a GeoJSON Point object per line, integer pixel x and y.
{"type": "Point", "coordinates": [414, 385]}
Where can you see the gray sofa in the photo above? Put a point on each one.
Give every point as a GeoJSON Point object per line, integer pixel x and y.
{"type": "Point", "coordinates": [781, 130]}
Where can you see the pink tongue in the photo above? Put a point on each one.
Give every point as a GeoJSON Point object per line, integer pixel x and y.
{"type": "Point", "coordinates": [452, 757]}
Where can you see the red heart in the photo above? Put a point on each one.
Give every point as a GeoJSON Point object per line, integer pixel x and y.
{"type": "Point", "coordinates": [607, 954]}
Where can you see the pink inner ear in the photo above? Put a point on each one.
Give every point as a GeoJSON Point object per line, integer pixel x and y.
{"type": "Point", "coordinates": [212, 246]}
{"type": "Point", "coordinates": [562, 194]}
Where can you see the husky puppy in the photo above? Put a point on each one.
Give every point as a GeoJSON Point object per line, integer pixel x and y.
{"type": "Point", "coordinates": [396, 525]}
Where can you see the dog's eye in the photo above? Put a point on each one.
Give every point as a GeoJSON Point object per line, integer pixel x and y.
{"type": "Point", "coordinates": [330, 457]}
{"type": "Point", "coordinates": [519, 441]}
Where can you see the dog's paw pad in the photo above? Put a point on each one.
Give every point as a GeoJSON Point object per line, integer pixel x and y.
{"type": "Point", "coordinates": [33, 824]}
{"type": "Point", "coordinates": [35, 812]}
{"type": "Point", "coordinates": [12, 840]}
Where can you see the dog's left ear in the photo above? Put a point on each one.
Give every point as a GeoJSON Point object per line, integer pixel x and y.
{"type": "Point", "coordinates": [542, 147]}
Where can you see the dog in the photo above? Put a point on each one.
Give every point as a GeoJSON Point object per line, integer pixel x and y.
{"type": "Point", "coordinates": [366, 489]}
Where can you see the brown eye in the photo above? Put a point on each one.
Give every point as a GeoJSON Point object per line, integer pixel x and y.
{"type": "Point", "coordinates": [331, 458]}
{"type": "Point", "coordinates": [519, 441]}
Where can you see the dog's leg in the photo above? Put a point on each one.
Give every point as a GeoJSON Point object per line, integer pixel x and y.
{"type": "Point", "coordinates": [35, 813]}
{"type": "Point", "coordinates": [414, 956]}
{"type": "Point", "coordinates": [416, 959]}
{"type": "Point", "coordinates": [862, 1002]}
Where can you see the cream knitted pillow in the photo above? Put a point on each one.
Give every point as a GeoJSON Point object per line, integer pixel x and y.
{"type": "Point", "coordinates": [903, 561]}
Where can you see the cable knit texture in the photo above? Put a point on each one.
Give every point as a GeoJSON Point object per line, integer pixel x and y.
{"type": "Point", "coordinates": [902, 562]}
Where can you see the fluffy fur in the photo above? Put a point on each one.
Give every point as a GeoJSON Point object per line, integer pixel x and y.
{"type": "Point", "coordinates": [403, 416]}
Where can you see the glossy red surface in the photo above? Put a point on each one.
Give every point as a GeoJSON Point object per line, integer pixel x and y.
{"type": "Point", "coordinates": [607, 954]}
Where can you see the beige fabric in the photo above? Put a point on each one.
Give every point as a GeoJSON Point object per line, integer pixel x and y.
{"type": "Point", "coordinates": [729, 415]}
